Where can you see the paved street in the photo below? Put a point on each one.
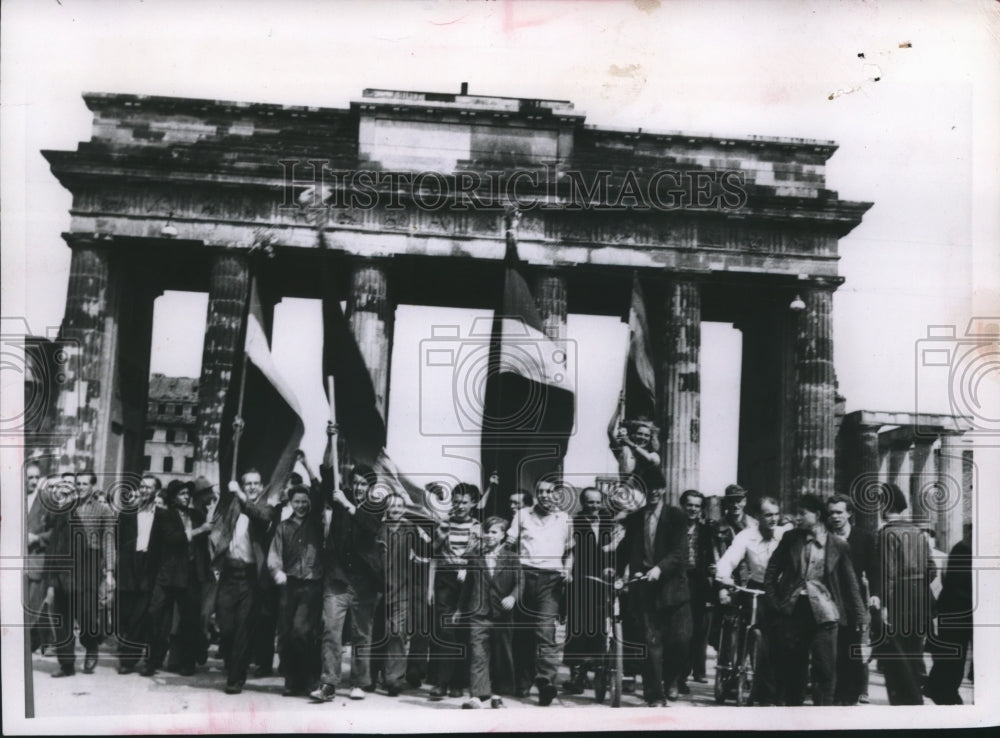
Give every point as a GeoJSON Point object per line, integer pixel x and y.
{"type": "Point", "coordinates": [105, 692]}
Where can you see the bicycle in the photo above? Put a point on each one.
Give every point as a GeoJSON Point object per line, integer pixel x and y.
{"type": "Point", "coordinates": [740, 647]}
{"type": "Point", "coordinates": [610, 674]}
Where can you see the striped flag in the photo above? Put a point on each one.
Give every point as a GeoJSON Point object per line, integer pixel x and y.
{"type": "Point", "coordinates": [639, 380]}
{"type": "Point", "coordinates": [272, 419]}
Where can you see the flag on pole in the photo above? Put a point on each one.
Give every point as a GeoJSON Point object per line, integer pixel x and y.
{"type": "Point", "coordinates": [528, 411]}
{"type": "Point", "coordinates": [360, 422]}
{"type": "Point", "coordinates": [272, 419]}
{"type": "Point", "coordinates": [638, 396]}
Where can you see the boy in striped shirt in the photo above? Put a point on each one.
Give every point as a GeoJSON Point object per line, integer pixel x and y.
{"type": "Point", "coordinates": [456, 539]}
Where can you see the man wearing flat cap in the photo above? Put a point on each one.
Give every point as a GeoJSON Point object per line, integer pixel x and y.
{"type": "Point", "coordinates": [734, 520]}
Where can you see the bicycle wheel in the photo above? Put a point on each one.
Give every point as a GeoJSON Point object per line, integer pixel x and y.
{"type": "Point", "coordinates": [600, 682]}
{"type": "Point", "coordinates": [618, 670]}
{"type": "Point", "coordinates": [748, 669]}
{"type": "Point", "coordinates": [723, 659]}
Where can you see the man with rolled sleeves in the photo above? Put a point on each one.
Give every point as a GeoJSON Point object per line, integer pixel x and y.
{"type": "Point", "coordinates": [239, 535]}
{"type": "Point", "coordinates": [542, 536]}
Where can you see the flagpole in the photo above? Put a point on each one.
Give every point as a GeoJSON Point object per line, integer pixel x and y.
{"type": "Point", "coordinates": [238, 420]}
{"type": "Point", "coordinates": [334, 460]}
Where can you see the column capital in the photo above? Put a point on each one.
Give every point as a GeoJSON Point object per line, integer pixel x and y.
{"type": "Point", "coordinates": [820, 283]}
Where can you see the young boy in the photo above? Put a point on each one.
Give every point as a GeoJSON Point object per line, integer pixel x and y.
{"type": "Point", "coordinates": [491, 590]}
{"type": "Point", "coordinates": [295, 562]}
{"type": "Point", "coordinates": [456, 538]}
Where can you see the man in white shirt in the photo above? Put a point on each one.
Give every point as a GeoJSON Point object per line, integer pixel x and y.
{"type": "Point", "coordinates": [542, 537]}
{"type": "Point", "coordinates": [752, 547]}
{"type": "Point", "coordinates": [751, 551]}
{"type": "Point", "coordinates": [135, 583]}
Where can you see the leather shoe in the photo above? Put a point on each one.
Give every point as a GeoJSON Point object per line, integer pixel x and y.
{"type": "Point", "coordinates": [148, 671]}
{"type": "Point", "coordinates": [546, 693]}
{"type": "Point", "coordinates": [90, 662]}
{"type": "Point", "coordinates": [683, 688]}
{"type": "Point", "coordinates": [700, 679]}
{"type": "Point", "coordinates": [126, 669]}
{"type": "Point", "coordinates": [60, 674]}
{"type": "Point", "coordinates": [455, 692]}
{"type": "Point", "coordinates": [233, 688]}
{"type": "Point", "coordinates": [438, 693]}
{"type": "Point", "coordinates": [656, 703]}
{"type": "Point", "coordinates": [672, 693]}
{"type": "Point", "coordinates": [393, 689]}
{"type": "Point", "coordinates": [186, 671]}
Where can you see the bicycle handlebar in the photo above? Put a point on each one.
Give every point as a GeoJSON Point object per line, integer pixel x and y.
{"type": "Point", "coordinates": [748, 590]}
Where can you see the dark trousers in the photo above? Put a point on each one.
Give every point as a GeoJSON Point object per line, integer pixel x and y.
{"type": "Point", "coordinates": [267, 626]}
{"type": "Point", "coordinates": [448, 645]}
{"type": "Point", "coordinates": [133, 627]}
{"type": "Point", "coordinates": [36, 616]}
{"type": "Point", "coordinates": [161, 618]}
{"type": "Point", "coordinates": [491, 662]}
{"type": "Point", "coordinates": [80, 606]}
{"type": "Point", "coordinates": [236, 613]}
{"type": "Point", "coordinates": [851, 668]}
{"type": "Point", "coordinates": [700, 616]}
{"type": "Point", "coordinates": [299, 613]}
{"type": "Point", "coordinates": [901, 658]}
{"type": "Point", "coordinates": [949, 650]}
{"type": "Point", "coordinates": [397, 637]}
{"type": "Point", "coordinates": [540, 608]}
{"type": "Point", "coordinates": [667, 637]}
{"type": "Point", "coordinates": [803, 638]}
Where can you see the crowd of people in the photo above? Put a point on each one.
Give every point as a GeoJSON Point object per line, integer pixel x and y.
{"type": "Point", "coordinates": [469, 602]}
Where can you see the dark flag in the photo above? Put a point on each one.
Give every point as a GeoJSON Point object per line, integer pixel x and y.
{"type": "Point", "coordinates": [358, 418]}
{"type": "Point", "coordinates": [528, 410]}
{"type": "Point", "coordinates": [638, 398]}
{"type": "Point", "coordinates": [272, 420]}
{"type": "Point", "coordinates": [361, 424]}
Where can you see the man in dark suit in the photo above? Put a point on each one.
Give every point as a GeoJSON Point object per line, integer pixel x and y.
{"type": "Point", "coordinates": [811, 586]}
{"type": "Point", "coordinates": [852, 671]}
{"type": "Point", "coordinates": [655, 545]}
{"type": "Point", "coordinates": [38, 533]}
{"type": "Point", "coordinates": [701, 558]}
{"type": "Point", "coordinates": [954, 636]}
{"type": "Point", "coordinates": [135, 580]}
{"type": "Point", "coordinates": [587, 594]}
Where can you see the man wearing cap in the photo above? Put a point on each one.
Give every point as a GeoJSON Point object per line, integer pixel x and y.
{"type": "Point", "coordinates": [734, 518]}
{"type": "Point", "coordinates": [203, 499]}
{"type": "Point", "coordinates": [172, 561]}
{"type": "Point", "coordinates": [907, 567]}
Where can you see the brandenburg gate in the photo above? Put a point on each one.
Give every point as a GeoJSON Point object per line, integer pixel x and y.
{"type": "Point", "coordinates": [177, 194]}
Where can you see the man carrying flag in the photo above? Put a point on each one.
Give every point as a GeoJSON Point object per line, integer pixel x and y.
{"type": "Point", "coordinates": [528, 412]}
{"type": "Point", "coordinates": [634, 441]}
{"type": "Point", "coordinates": [244, 518]}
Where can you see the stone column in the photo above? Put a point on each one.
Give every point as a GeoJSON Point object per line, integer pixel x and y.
{"type": "Point", "coordinates": [864, 488]}
{"type": "Point", "coordinates": [681, 387]}
{"type": "Point", "coordinates": [927, 497]}
{"type": "Point", "coordinates": [83, 411]}
{"type": "Point", "coordinates": [550, 296]}
{"type": "Point", "coordinates": [815, 393]}
{"type": "Point", "coordinates": [228, 290]}
{"type": "Point", "coordinates": [370, 315]}
{"type": "Point", "coordinates": [951, 490]}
